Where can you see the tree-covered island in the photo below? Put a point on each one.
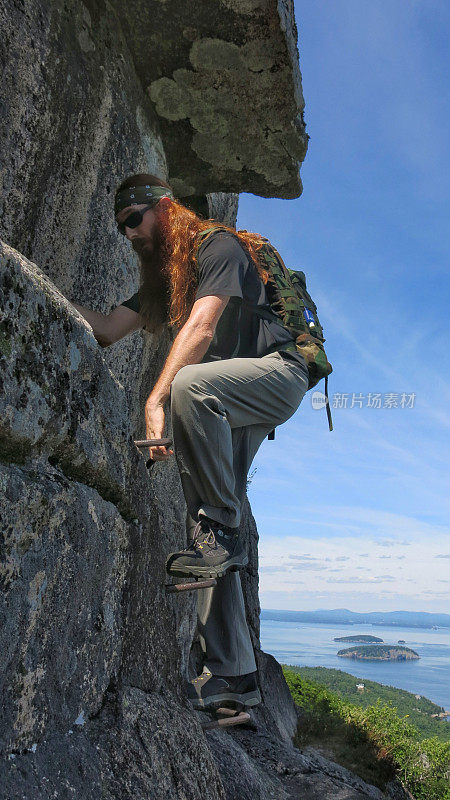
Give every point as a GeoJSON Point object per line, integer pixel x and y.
{"type": "Point", "coordinates": [358, 637]}
{"type": "Point", "coordinates": [379, 652]}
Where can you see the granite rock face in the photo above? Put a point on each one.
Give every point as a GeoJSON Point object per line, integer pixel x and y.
{"type": "Point", "coordinates": [75, 120]}
{"type": "Point", "coordinates": [94, 655]}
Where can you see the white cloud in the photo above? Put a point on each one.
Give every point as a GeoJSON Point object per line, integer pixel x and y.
{"type": "Point", "coordinates": [365, 581]}
{"type": "Point", "coordinates": [392, 529]}
{"type": "Point", "coordinates": [415, 582]}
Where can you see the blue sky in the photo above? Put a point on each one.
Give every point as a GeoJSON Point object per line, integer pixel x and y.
{"type": "Point", "coordinates": [359, 517]}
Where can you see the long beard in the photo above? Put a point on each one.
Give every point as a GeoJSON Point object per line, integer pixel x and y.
{"type": "Point", "coordinates": [155, 282]}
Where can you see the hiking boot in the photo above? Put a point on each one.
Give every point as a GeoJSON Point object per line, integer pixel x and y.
{"type": "Point", "coordinates": [207, 689]}
{"type": "Point", "coordinates": [215, 549]}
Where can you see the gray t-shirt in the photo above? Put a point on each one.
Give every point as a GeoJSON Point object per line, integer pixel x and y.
{"type": "Point", "coordinates": [226, 268]}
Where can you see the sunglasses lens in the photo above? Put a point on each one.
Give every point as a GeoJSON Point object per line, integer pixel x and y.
{"type": "Point", "coordinates": [132, 221]}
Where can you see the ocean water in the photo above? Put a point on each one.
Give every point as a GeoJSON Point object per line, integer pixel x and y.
{"type": "Point", "coordinates": [312, 645]}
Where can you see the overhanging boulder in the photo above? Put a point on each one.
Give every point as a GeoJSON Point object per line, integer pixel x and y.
{"type": "Point", "coordinates": [225, 81]}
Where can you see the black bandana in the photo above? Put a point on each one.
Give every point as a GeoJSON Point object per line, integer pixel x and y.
{"type": "Point", "coordinates": [136, 195]}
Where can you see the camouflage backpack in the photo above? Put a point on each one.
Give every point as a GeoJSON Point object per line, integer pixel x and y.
{"type": "Point", "coordinates": [291, 303]}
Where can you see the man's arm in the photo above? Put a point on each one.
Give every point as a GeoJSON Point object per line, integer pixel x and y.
{"type": "Point", "coordinates": [109, 328]}
{"type": "Point", "coordinates": [190, 344]}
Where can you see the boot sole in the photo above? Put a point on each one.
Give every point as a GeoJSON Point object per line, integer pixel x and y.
{"type": "Point", "coordinates": [233, 565]}
{"type": "Point", "coordinates": [252, 698]}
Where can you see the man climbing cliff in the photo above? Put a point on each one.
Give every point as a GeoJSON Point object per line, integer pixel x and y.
{"type": "Point", "coordinates": [228, 382]}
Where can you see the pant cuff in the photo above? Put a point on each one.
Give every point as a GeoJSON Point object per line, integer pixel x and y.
{"type": "Point", "coordinates": [230, 672]}
{"type": "Point", "coordinates": [225, 516]}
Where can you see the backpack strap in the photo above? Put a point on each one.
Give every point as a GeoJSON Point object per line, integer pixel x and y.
{"type": "Point", "coordinates": [206, 231]}
{"type": "Point", "coordinates": [330, 421]}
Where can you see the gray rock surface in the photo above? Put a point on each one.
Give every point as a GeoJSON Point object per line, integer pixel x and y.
{"type": "Point", "coordinates": [94, 654]}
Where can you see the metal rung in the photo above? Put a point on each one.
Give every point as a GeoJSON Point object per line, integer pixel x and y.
{"type": "Point", "coordinates": [231, 718]}
{"type": "Point", "coordinates": [153, 442]}
{"type": "Point", "coordinates": [142, 443]}
{"type": "Point", "coordinates": [171, 588]}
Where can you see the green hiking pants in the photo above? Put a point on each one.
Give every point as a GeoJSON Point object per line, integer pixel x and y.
{"type": "Point", "coordinates": [221, 412]}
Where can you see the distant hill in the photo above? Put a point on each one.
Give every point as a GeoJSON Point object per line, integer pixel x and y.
{"type": "Point", "coordinates": [421, 711]}
{"type": "Point", "coordinates": [342, 616]}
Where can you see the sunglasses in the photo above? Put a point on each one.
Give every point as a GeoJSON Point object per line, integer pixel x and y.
{"type": "Point", "coordinates": [133, 220]}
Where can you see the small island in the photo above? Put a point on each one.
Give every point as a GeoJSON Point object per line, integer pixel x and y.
{"type": "Point", "coordinates": [357, 637]}
{"type": "Point", "coordinates": [379, 652]}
